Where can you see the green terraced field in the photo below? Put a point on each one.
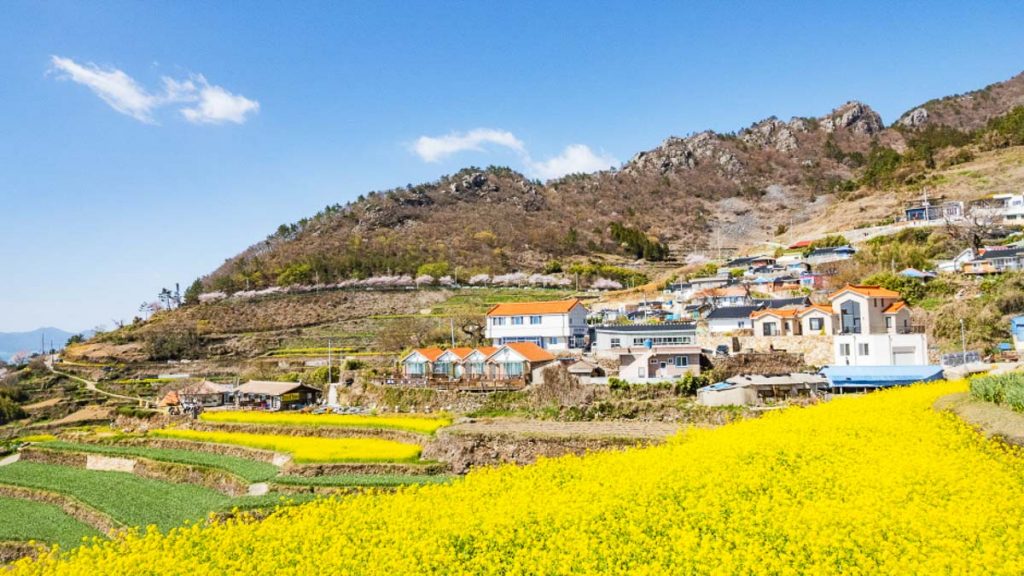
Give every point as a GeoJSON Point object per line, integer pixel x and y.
{"type": "Point", "coordinates": [130, 499]}
{"type": "Point", "coordinates": [250, 470]}
{"type": "Point", "coordinates": [23, 520]}
{"type": "Point", "coordinates": [363, 480]}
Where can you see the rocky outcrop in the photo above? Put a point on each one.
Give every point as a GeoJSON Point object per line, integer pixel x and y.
{"type": "Point", "coordinates": [683, 154]}
{"type": "Point", "coordinates": [855, 117]}
{"type": "Point", "coordinates": [774, 134]}
{"type": "Point", "coordinates": [914, 119]}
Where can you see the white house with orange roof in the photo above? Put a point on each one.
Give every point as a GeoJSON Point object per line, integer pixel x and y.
{"type": "Point", "coordinates": [812, 320]}
{"type": "Point", "coordinates": [874, 329]}
{"type": "Point", "coordinates": [553, 325]}
{"type": "Point", "coordinates": [420, 362]}
{"type": "Point", "coordinates": [523, 360]}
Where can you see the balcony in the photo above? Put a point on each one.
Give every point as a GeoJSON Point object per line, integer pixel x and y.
{"type": "Point", "coordinates": [910, 329]}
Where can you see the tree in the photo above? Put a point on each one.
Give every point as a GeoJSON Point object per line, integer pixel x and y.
{"type": "Point", "coordinates": [193, 291]}
{"type": "Point", "coordinates": [979, 222]}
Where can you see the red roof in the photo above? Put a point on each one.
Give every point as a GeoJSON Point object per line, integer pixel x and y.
{"type": "Point", "coordinates": [533, 308]}
{"type": "Point", "coordinates": [869, 291]}
{"type": "Point", "coordinates": [895, 307]}
{"type": "Point", "coordinates": [777, 312]}
{"type": "Point", "coordinates": [813, 307]}
{"type": "Point", "coordinates": [800, 244]}
{"type": "Point", "coordinates": [431, 353]}
{"type": "Point", "coordinates": [530, 351]}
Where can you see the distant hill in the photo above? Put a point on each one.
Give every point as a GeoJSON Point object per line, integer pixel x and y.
{"type": "Point", "coordinates": [703, 191]}
{"type": "Point", "coordinates": [13, 342]}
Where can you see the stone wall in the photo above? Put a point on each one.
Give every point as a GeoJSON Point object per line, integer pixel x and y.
{"type": "Point", "coordinates": [816, 349]}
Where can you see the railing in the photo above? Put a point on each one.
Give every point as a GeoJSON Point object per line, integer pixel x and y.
{"type": "Point", "coordinates": [910, 329]}
{"type": "Point", "coordinates": [474, 383]}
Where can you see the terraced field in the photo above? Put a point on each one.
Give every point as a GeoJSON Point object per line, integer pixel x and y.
{"type": "Point", "coordinates": [128, 499]}
{"type": "Point", "coordinates": [363, 480]}
{"type": "Point", "coordinates": [24, 520]}
{"type": "Point", "coordinates": [307, 449]}
{"type": "Point", "coordinates": [419, 424]}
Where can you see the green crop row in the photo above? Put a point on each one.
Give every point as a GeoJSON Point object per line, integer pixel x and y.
{"type": "Point", "coordinates": [1005, 389]}
{"type": "Point", "coordinates": [24, 520]}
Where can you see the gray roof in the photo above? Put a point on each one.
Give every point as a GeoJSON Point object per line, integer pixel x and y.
{"type": "Point", "coordinates": [1005, 253]}
{"type": "Point", "coordinates": [269, 388]}
{"type": "Point", "coordinates": [733, 312]}
{"type": "Point", "coordinates": [783, 302]}
{"type": "Point", "coordinates": [659, 327]}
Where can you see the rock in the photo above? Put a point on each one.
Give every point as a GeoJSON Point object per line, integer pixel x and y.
{"type": "Point", "coordinates": [855, 117]}
{"type": "Point", "coordinates": [914, 119]}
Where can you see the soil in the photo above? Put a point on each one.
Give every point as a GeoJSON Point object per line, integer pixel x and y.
{"type": "Point", "coordinates": [990, 419]}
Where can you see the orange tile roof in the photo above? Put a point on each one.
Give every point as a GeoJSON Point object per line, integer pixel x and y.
{"type": "Point", "coordinates": [895, 307]}
{"type": "Point", "coordinates": [778, 312]}
{"type": "Point", "coordinates": [487, 350]}
{"type": "Point", "coordinates": [534, 308]}
{"type": "Point", "coordinates": [531, 351]}
{"type": "Point", "coordinates": [863, 290]}
{"type": "Point", "coordinates": [431, 353]}
{"type": "Point", "coordinates": [813, 307]}
{"type": "Point", "coordinates": [461, 351]}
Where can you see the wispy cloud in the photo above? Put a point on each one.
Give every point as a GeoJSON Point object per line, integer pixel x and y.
{"type": "Point", "coordinates": [575, 158]}
{"type": "Point", "coordinates": [199, 101]}
{"type": "Point", "coordinates": [435, 148]}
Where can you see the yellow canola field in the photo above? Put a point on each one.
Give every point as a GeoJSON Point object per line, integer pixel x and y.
{"type": "Point", "coordinates": [421, 424]}
{"type": "Point", "coordinates": [879, 484]}
{"type": "Point", "coordinates": [308, 448]}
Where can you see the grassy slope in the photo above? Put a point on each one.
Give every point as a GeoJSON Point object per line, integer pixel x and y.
{"type": "Point", "coordinates": [23, 520]}
{"type": "Point", "coordinates": [130, 499]}
{"type": "Point", "coordinates": [251, 470]}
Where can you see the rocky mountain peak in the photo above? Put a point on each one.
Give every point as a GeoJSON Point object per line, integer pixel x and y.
{"type": "Point", "coordinates": [854, 116]}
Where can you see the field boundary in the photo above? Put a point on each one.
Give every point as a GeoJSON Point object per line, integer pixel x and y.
{"type": "Point", "coordinates": [321, 430]}
{"type": "Point", "coordinates": [338, 468]}
{"type": "Point", "coordinates": [71, 506]}
{"type": "Point", "coordinates": [991, 420]}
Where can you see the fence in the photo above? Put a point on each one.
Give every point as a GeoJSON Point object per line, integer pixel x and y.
{"type": "Point", "coordinates": [961, 358]}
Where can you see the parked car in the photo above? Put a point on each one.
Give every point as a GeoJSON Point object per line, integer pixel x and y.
{"type": "Point", "coordinates": [722, 350]}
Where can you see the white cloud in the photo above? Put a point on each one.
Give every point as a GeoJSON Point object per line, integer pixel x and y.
{"type": "Point", "coordinates": [113, 86]}
{"type": "Point", "coordinates": [435, 148]}
{"type": "Point", "coordinates": [217, 105]}
{"type": "Point", "coordinates": [576, 158]}
{"type": "Point", "coordinates": [209, 104]}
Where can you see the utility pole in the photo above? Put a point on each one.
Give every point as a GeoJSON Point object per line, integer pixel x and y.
{"type": "Point", "coordinates": [329, 363]}
{"type": "Point", "coordinates": [451, 322]}
{"type": "Point", "coordinates": [963, 342]}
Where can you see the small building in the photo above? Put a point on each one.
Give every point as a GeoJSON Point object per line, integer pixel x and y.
{"type": "Point", "coordinates": [268, 395]}
{"type": "Point", "coordinates": [996, 260]}
{"type": "Point", "coordinates": [659, 363]}
{"type": "Point", "coordinates": [554, 325]}
{"type": "Point", "coordinates": [1017, 330]}
{"type": "Point", "coordinates": [751, 389]}
{"type": "Point", "coordinates": [731, 319]}
{"type": "Point", "coordinates": [419, 363]}
{"type": "Point", "coordinates": [926, 211]}
{"type": "Point", "coordinates": [613, 338]}
{"type": "Point", "coordinates": [922, 275]}
{"type": "Point", "coordinates": [775, 322]}
{"type": "Point", "coordinates": [1011, 207]}
{"type": "Point", "coordinates": [206, 393]}
{"type": "Point", "coordinates": [721, 297]}
{"type": "Point", "coordinates": [955, 264]}
{"type": "Point", "coordinates": [874, 329]}
{"type": "Point", "coordinates": [524, 360]}
{"type": "Point", "coordinates": [819, 256]}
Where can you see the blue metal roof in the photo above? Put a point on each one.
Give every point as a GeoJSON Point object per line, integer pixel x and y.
{"type": "Point", "coordinates": [879, 376]}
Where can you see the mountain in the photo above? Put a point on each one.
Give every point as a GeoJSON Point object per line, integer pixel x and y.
{"type": "Point", "coordinates": [39, 339]}
{"type": "Point", "coordinates": [706, 190]}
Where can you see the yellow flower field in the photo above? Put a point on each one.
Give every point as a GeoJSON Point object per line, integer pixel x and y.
{"type": "Point", "coordinates": [879, 484]}
{"type": "Point", "coordinates": [306, 449]}
{"type": "Point", "coordinates": [421, 424]}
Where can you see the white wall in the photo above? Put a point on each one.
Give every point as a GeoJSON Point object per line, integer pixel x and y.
{"type": "Point", "coordinates": [881, 349]}
{"type": "Point", "coordinates": [557, 326]}
{"type": "Point", "coordinates": [722, 325]}
{"type": "Point", "coordinates": [606, 334]}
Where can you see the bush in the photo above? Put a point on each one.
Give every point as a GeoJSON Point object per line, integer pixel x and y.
{"type": "Point", "coordinates": [133, 412]}
{"type": "Point", "coordinates": [638, 243]}
{"type": "Point", "coordinates": [1005, 389]}
{"type": "Point", "coordinates": [9, 411]}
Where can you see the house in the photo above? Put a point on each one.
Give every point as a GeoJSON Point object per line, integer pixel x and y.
{"type": "Point", "coordinates": [926, 211]}
{"type": "Point", "coordinates": [723, 297]}
{"type": "Point", "coordinates": [266, 395]}
{"type": "Point", "coordinates": [922, 275]}
{"type": "Point", "coordinates": [750, 389]}
{"type": "Point", "coordinates": [451, 362]}
{"type": "Point", "coordinates": [795, 302]}
{"type": "Point", "coordinates": [996, 260]}
{"type": "Point", "coordinates": [874, 329]}
{"type": "Point", "coordinates": [803, 320]}
{"type": "Point", "coordinates": [708, 282]}
{"type": "Point", "coordinates": [554, 325]}
{"type": "Point", "coordinates": [420, 362]}
{"type": "Point", "coordinates": [730, 319]}
{"type": "Point", "coordinates": [614, 338]}
{"type": "Point", "coordinates": [206, 394]}
{"type": "Point", "coordinates": [813, 280]}
{"type": "Point", "coordinates": [474, 364]}
{"type": "Point", "coordinates": [659, 363]}
{"type": "Point", "coordinates": [957, 263]}
{"type": "Point", "coordinates": [819, 256]}
{"type": "Point", "coordinates": [524, 360]}
{"type": "Point", "coordinates": [1011, 207]}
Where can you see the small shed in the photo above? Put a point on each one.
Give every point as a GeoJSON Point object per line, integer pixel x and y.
{"type": "Point", "coordinates": [205, 393]}
{"type": "Point", "coordinates": [750, 389]}
{"type": "Point", "coordinates": [267, 395]}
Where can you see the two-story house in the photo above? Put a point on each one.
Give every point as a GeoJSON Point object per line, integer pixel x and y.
{"type": "Point", "coordinates": [612, 339]}
{"type": "Point", "coordinates": [553, 325]}
{"type": "Point", "coordinates": [874, 329]}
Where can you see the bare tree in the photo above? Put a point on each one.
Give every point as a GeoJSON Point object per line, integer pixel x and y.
{"type": "Point", "coordinates": [980, 221]}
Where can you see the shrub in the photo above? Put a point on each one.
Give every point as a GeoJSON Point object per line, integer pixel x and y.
{"type": "Point", "coordinates": [1005, 389]}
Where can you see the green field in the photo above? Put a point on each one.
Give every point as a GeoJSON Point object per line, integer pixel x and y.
{"type": "Point", "coordinates": [129, 499]}
{"type": "Point", "coordinates": [363, 480]}
{"type": "Point", "coordinates": [267, 501]}
{"type": "Point", "coordinates": [250, 470]}
{"type": "Point", "coordinates": [23, 520]}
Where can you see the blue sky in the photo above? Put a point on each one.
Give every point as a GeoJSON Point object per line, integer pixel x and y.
{"type": "Point", "coordinates": [142, 143]}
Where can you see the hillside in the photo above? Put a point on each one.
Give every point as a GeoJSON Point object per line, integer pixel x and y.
{"type": "Point", "coordinates": [703, 191]}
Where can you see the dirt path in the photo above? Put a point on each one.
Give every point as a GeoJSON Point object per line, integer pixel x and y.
{"type": "Point", "coordinates": [990, 419]}
{"type": "Point", "coordinates": [555, 429]}
{"type": "Point", "coordinates": [11, 459]}
{"type": "Point", "coordinates": [91, 386]}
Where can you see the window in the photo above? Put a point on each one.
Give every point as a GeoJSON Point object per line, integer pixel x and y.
{"type": "Point", "coordinates": [862, 349]}
{"type": "Point", "coordinates": [517, 320]}
{"type": "Point", "coordinates": [682, 361]}
{"type": "Point", "coordinates": [552, 340]}
{"type": "Point", "coordinates": [816, 323]}
{"type": "Point", "coordinates": [534, 319]}
{"type": "Point", "coordinates": [888, 321]}
{"type": "Point", "coordinates": [499, 321]}
{"type": "Point", "coordinates": [770, 329]}
{"type": "Point", "coordinates": [844, 349]}
{"type": "Point", "coordinates": [615, 343]}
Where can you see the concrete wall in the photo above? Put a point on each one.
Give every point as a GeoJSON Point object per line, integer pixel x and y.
{"type": "Point", "coordinates": [817, 349]}
{"type": "Point", "coordinates": [881, 348]}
